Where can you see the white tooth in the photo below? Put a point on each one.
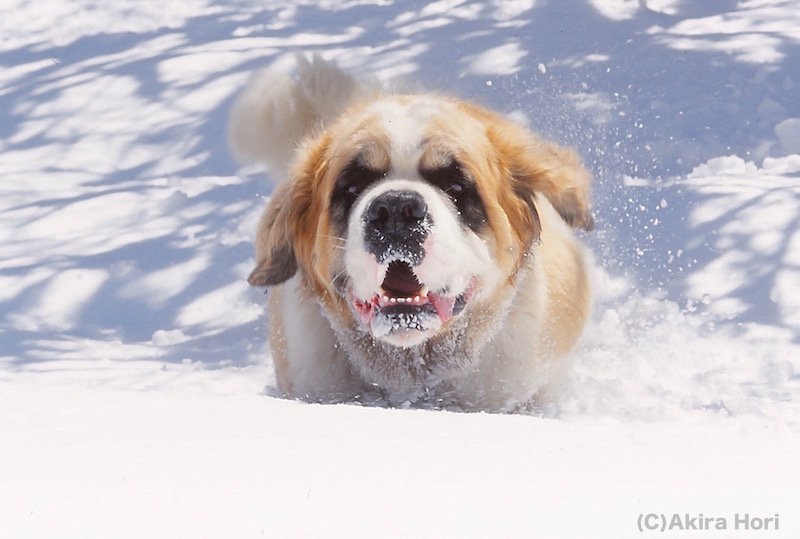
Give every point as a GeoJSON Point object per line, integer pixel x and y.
{"type": "Point", "coordinates": [393, 300]}
{"type": "Point", "coordinates": [385, 298]}
{"type": "Point", "coordinates": [416, 299]}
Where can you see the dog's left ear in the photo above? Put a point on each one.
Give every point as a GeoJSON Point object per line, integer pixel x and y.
{"type": "Point", "coordinates": [538, 167]}
{"type": "Point", "coordinates": [558, 174]}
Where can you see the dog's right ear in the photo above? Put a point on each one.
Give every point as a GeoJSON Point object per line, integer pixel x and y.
{"type": "Point", "coordinates": [275, 259]}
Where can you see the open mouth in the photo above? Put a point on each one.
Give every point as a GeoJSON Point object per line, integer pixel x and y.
{"type": "Point", "coordinates": [407, 304]}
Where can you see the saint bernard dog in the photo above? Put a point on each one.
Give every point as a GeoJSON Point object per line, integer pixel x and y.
{"type": "Point", "coordinates": [421, 247]}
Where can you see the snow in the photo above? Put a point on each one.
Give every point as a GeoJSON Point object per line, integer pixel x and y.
{"type": "Point", "coordinates": [502, 60]}
{"type": "Point", "coordinates": [183, 465]}
{"type": "Point", "coordinates": [135, 379]}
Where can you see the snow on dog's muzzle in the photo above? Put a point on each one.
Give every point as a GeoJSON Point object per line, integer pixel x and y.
{"type": "Point", "coordinates": [396, 224]}
{"type": "Point", "coordinates": [404, 311]}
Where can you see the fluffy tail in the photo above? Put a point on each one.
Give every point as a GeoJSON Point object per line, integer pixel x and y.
{"type": "Point", "coordinates": [275, 112]}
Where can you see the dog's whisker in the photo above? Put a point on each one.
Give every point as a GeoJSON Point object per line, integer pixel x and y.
{"type": "Point", "coordinates": [339, 242]}
{"type": "Point", "coordinates": [336, 238]}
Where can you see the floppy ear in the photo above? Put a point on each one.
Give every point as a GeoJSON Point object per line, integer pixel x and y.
{"type": "Point", "coordinates": [558, 174]}
{"type": "Point", "coordinates": [544, 168]}
{"type": "Point", "coordinates": [275, 259]}
{"type": "Point", "coordinates": [283, 238]}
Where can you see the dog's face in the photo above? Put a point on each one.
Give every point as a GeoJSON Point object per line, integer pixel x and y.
{"type": "Point", "coordinates": [412, 212]}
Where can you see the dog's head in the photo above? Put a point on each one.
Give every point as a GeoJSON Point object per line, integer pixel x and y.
{"type": "Point", "coordinates": [411, 212]}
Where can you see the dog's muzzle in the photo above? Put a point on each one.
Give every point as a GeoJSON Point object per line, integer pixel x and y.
{"type": "Point", "coordinates": [404, 309]}
{"type": "Point", "coordinates": [396, 224]}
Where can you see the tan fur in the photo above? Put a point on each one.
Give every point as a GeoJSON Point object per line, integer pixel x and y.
{"type": "Point", "coordinates": [540, 166]}
{"type": "Point", "coordinates": [568, 292]}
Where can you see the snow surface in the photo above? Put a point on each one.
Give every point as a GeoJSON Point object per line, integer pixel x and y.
{"type": "Point", "coordinates": [134, 372]}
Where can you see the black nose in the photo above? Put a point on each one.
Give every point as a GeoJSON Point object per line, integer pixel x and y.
{"type": "Point", "coordinates": [396, 224]}
{"type": "Point", "coordinates": [395, 211]}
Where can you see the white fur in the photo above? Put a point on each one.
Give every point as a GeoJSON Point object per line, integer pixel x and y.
{"type": "Point", "coordinates": [317, 366]}
{"type": "Point", "coordinates": [508, 374]}
{"type": "Point", "coordinates": [406, 125]}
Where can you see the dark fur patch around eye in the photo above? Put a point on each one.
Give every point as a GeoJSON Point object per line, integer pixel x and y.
{"type": "Point", "coordinates": [354, 179]}
{"type": "Point", "coordinates": [455, 183]}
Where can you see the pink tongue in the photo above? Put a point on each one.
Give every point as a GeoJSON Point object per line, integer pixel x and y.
{"type": "Point", "coordinates": [443, 305]}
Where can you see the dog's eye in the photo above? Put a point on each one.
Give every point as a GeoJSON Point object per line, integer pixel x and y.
{"type": "Point", "coordinates": [455, 189]}
{"type": "Point", "coordinates": [354, 189]}
{"type": "Point", "coordinates": [455, 182]}
{"type": "Point", "coordinates": [356, 179]}
{"type": "Point", "coordinates": [350, 184]}
{"type": "Point", "coordinates": [450, 179]}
